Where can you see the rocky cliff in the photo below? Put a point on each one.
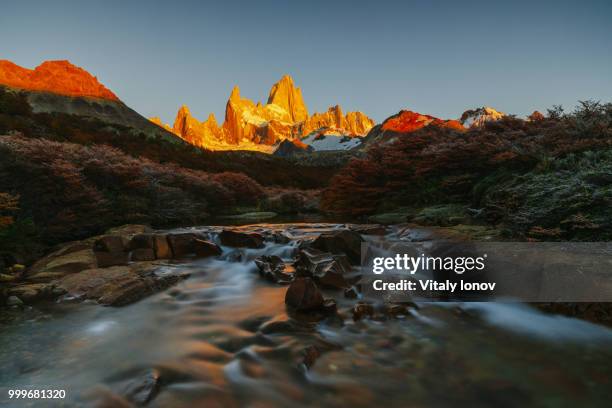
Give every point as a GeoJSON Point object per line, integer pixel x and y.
{"type": "Point", "coordinates": [406, 122]}
{"type": "Point", "coordinates": [61, 87]}
{"type": "Point", "coordinates": [255, 126]}
{"type": "Point", "coordinates": [479, 116]}
{"type": "Point", "coordinates": [59, 77]}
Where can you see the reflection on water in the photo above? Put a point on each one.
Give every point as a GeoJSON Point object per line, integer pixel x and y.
{"type": "Point", "coordinates": [223, 338]}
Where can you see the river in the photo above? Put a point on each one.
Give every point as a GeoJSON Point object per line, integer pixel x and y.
{"type": "Point", "coordinates": [223, 338]}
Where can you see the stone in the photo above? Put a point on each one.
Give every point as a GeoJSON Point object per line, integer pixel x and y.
{"type": "Point", "coordinates": [241, 239]}
{"type": "Point", "coordinates": [304, 295]}
{"type": "Point", "coordinates": [107, 259]}
{"type": "Point", "coordinates": [161, 247]}
{"type": "Point", "coordinates": [341, 242]}
{"type": "Point", "coordinates": [142, 241]}
{"type": "Point", "coordinates": [273, 268]}
{"type": "Point", "coordinates": [142, 390]}
{"type": "Point", "coordinates": [329, 270]}
{"type": "Point", "coordinates": [109, 243]}
{"type": "Point", "coordinates": [117, 285]}
{"type": "Point", "coordinates": [204, 249]}
{"type": "Point", "coordinates": [142, 254]}
{"type": "Point", "coordinates": [310, 355]}
{"type": "Point", "coordinates": [361, 310]}
{"type": "Point", "coordinates": [13, 301]}
{"type": "Point", "coordinates": [351, 293]}
{"type": "Point", "coordinates": [129, 229]}
{"type": "Point", "coordinates": [181, 244]}
{"type": "Point", "coordinates": [71, 258]}
{"type": "Point", "coordinates": [369, 229]}
{"type": "Point", "coordinates": [31, 292]}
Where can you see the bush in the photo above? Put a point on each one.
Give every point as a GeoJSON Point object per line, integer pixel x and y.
{"type": "Point", "coordinates": [71, 191]}
{"type": "Point", "coordinates": [525, 173]}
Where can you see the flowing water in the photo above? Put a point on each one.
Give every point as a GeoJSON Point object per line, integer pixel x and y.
{"type": "Point", "coordinates": [223, 338]}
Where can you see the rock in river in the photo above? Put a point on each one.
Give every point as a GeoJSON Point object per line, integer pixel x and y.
{"type": "Point", "coordinates": [241, 239]}
{"type": "Point", "coordinates": [303, 295]}
{"type": "Point", "coordinates": [341, 242]}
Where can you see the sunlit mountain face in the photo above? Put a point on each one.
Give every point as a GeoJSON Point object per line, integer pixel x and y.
{"type": "Point", "coordinates": [256, 126]}
{"type": "Point", "coordinates": [60, 77]}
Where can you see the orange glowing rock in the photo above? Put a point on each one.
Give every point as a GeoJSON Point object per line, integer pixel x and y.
{"type": "Point", "coordinates": [407, 121]}
{"type": "Point", "coordinates": [255, 126]}
{"type": "Point", "coordinates": [355, 123]}
{"type": "Point", "coordinates": [60, 77]}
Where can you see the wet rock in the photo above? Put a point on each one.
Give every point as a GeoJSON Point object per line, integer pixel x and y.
{"type": "Point", "coordinates": [351, 293]}
{"type": "Point", "coordinates": [142, 390]}
{"type": "Point", "coordinates": [341, 242]}
{"type": "Point", "coordinates": [273, 268]}
{"type": "Point", "coordinates": [107, 259]}
{"type": "Point", "coordinates": [71, 258]}
{"type": "Point", "coordinates": [241, 239]}
{"type": "Point", "coordinates": [110, 250]}
{"type": "Point", "coordinates": [142, 241]}
{"type": "Point", "coordinates": [161, 247]}
{"type": "Point", "coordinates": [329, 270]}
{"type": "Point", "coordinates": [362, 310]}
{"type": "Point", "coordinates": [329, 306]}
{"type": "Point", "coordinates": [29, 293]}
{"type": "Point", "coordinates": [204, 249]}
{"type": "Point", "coordinates": [369, 229]}
{"type": "Point", "coordinates": [182, 244]}
{"type": "Point", "coordinates": [8, 278]}
{"type": "Point", "coordinates": [13, 301]}
{"type": "Point", "coordinates": [117, 285]}
{"type": "Point", "coordinates": [142, 254]}
{"type": "Point", "coordinates": [109, 243]}
{"type": "Point", "coordinates": [130, 229]}
{"type": "Point", "coordinates": [303, 295]}
{"type": "Point", "coordinates": [310, 355]}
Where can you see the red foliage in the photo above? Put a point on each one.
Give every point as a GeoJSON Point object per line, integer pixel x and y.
{"type": "Point", "coordinates": [436, 163]}
{"type": "Point", "coordinates": [72, 191]}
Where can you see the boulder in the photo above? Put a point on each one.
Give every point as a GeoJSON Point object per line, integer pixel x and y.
{"type": "Point", "coordinates": [182, 244]}
{"type": "Point", "coordinates": [241, 239]}
{"type": "Point", "coordinates": [204, 249]}
{"type": "Point", "coordinates": [273, 268]}
{"type": "Point", "coordinates": [129, 229]}
{"type": "Point", "coordinates": [142, 241]}
{"type": "Point", "coordinates": [328, 269]}
{"type": "Point", "coordinates": [13, 301]}
{"type": "Point", "coordinates": [71, 258]}
{"type": "Point", "coordinates": [117, 285]}
{"type": "Point", "coordinates": [109, 243]}
{"type": "Point", "coordinates": [107, 259]}
{"type": "Point", "coordinates": [341, 242]}
{"type": "Point", "coordinates": [142, 254]}
{"type": "Point", "coordinates": [369, 229]}
{"type": "Point", "coordinates": [161, 247]}
{"type": "Point", "coordinates": [304, 295]}
{"type": "Point", "coordinates": [361, 310]}
{"type": "Point", "coordinates": [32, 292]}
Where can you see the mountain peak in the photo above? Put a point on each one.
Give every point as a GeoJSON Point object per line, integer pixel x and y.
{"type": "Point", "coordinates": [479, 116]}
{"type": "Point", "coordinates": [287, 96]}
{"type": "Point", "coordinates": [407, 121]}
{"type": "Point", "coordinates": [235, 95]}
{"type": "Point", "coordinates": [60, 77]}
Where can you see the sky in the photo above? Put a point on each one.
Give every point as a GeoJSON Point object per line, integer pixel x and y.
{"type": "Point", "coordinates": [434, 57]}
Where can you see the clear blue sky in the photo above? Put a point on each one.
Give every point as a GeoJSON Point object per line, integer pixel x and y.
{"type": "Point", "coordinates": [435, 57]}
